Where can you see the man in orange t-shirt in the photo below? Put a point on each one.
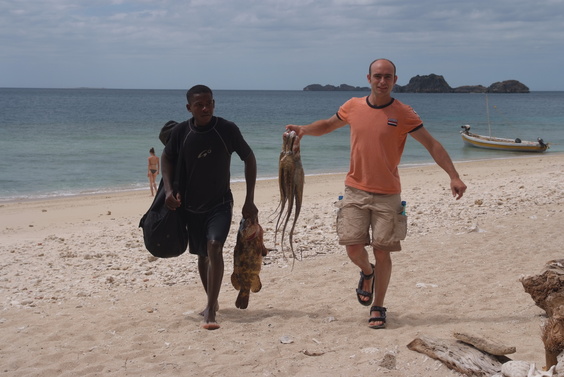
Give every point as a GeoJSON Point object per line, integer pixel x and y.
{"type": "Point", "coordinates": [372, 203]}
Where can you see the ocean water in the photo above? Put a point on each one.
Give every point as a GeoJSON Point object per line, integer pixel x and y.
{"type": "Point", "coordinates": [60, 142]}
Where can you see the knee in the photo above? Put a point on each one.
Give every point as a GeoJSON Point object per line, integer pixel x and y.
{"type": "Point", "coordinates": [382, 256]}
{"type": "Point", "coordinates": [355, 250]}
{"type": "Point", "coordinates": [214, 247]}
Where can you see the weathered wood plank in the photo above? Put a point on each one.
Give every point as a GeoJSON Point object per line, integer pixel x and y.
{"type": "Point", "coordinates": [458, 356]}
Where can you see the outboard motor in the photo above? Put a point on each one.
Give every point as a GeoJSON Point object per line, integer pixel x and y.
{"type": "Point", "coordinates": [541, 142]}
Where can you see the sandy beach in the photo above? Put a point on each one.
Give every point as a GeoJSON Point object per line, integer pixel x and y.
{"type": "Point", "coordinates": [80, 295]}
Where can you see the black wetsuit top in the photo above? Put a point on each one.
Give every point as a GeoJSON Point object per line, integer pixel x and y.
{"type": "Point", "coordinates": [207, 161]}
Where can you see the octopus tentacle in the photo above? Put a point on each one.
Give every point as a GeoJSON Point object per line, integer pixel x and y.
{"type": "Point", "coordinates": [291, 182]}
{"type": "Point", "coordinates": [298, 193]}
{"type": "Point", "coordinates": [282, 179]}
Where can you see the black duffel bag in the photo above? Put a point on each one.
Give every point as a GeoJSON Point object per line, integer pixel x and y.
{"type": "Point", "coordinates": [164, 231]}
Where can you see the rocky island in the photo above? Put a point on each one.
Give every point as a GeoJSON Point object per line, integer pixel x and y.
{"type": "Point", "coordinates": [433, 84]}
{"type": "Point", "coordinates": [332, 88]}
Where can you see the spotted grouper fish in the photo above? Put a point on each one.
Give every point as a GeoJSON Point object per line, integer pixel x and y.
{"type": "Point", "coordinates": [247, 261]}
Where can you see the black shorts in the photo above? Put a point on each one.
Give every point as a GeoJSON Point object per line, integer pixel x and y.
{"type": "Point", "coordinates": [209, 226]}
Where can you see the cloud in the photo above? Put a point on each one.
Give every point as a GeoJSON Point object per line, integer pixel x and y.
{"type": "Point", "coordinates": [276, 44]}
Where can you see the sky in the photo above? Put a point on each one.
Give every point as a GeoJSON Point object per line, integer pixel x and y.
{"type": "Point", "coordinates": [277, 45]}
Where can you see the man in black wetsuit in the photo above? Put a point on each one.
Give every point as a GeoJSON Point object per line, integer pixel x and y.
{"type": "Point", "coordinates": [207, 143]}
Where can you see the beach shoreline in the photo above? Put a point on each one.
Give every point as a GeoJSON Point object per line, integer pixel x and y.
{"type": "Point", "coordinates": [77, 279]}
{"type": "Point", "coordinates": [132, 188]}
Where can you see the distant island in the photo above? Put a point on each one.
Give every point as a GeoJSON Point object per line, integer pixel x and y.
{"type": "Point", "coordinates": [431, 84]}
{"type": "Point", "coordinates": [332, 88]}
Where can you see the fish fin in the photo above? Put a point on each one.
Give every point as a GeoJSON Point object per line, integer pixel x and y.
{"type": "Point", "coordinates": [235, 281]}
{"type": "Point", "coordinates": [256, 285]}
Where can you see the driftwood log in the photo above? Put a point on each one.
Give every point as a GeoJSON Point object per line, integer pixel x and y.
{"type": "Point", "coordinates": [476, 356]}
{"type": "Point", "coordinates": [553, 338]}
{"type": "Point", "coordinates": [547, 291]}
{"type": "Point", "coordinates": [458, 356]}
{"type": "Point", "coordinates": [547, 288]}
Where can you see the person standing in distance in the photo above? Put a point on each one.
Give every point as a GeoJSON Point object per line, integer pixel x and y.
{"type": "Point", "coordinates": [379, 125]}
{"type": "Point", "coordinates": [207, 143]}
{"type": "Point", "coordinates": [153, 169]}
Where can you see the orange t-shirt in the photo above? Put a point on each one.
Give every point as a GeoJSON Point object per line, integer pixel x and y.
{"type": "Point", "coordinates": [378, 136]}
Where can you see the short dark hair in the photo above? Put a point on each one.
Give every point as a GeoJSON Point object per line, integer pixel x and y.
{"type": "Point", "coordinates": [374, 61]}
{"type": "Point", "coordinates": [152, 150]}
{"type": "Point", "coordinates": [197, 89]}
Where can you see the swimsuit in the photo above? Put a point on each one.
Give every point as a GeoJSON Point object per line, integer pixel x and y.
{"type": "Point", "coordinates": [153, 170]}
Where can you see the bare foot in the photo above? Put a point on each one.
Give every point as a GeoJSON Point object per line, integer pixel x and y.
{"type": "Point", "coordinates": [202, 313]}
{"type": "Point", "coordinates": [209, 320]}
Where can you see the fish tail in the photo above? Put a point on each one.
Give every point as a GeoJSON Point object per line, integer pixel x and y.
{"type": "Point", "coordinates": [242, 300]}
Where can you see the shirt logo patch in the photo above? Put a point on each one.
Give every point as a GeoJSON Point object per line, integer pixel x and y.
{"type": "Point", "coordinates": [392, 122]}
{"type": "Point", "coordinates": [204, 153]}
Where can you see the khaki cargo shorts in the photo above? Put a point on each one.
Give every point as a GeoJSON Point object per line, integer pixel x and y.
{"type": "Point", "coordinates": [361, 213]}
